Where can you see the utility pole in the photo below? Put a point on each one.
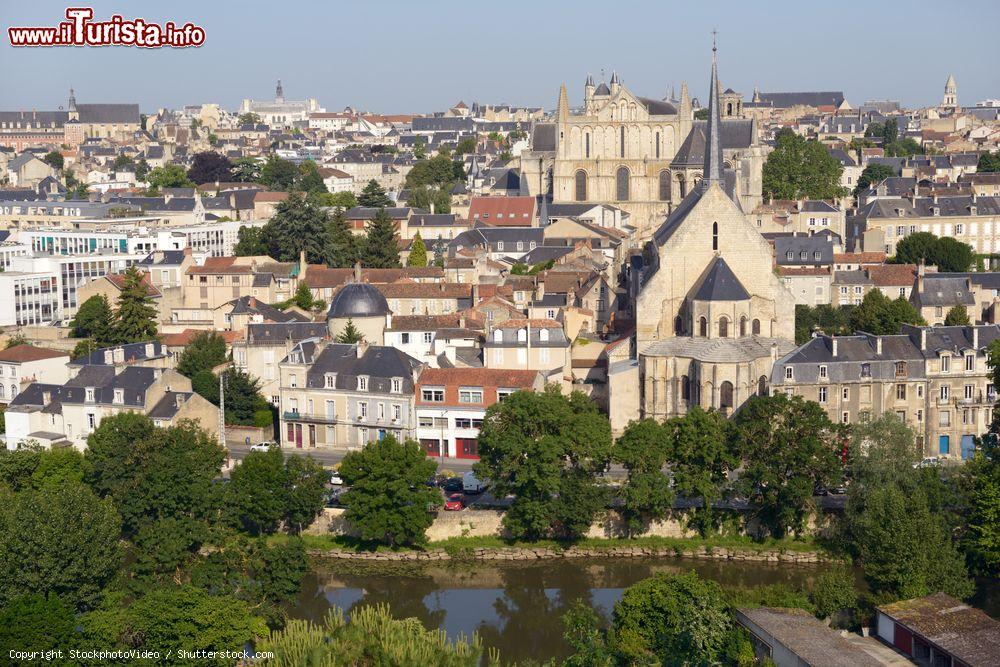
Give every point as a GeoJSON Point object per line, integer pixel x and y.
{"type": "Point", "coordinates": [222, 409]}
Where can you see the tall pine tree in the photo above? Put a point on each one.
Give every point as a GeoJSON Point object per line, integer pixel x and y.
{"type": "Point", "coordinates": [374, 196]}
{"type": "Point", "coordinates": [135, 317]}
{"type": "Point", "coordinates": [350, 333]}
{"type": "Point", "coordinates": [297, 225]}
{"type": "Point", "coordinates": [418, 252]}
{"type": "Point", "coordinates": [341, 244]}
{"type": "Point", "coordinates": [381, 248]}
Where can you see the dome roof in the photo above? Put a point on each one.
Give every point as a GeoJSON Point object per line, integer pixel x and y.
{"type": "Point", "coordinates": [358, 300]}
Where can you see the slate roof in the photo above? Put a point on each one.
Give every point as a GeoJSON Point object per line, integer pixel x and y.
{"type": "Point", "coordinates": [168, 406]}
{"type": "Point", "coordinates": [254, 306]}
{"type": "Point", "coordinates": [379, 363]}
{"type": "Point", "coordinates": [720, 284]}
{"type": "Point", "coordinates": [797, 245]}
{"type": "Point", "coordinates": [275, 332]}
{"type": "Point", "coordinates": [134, 381]}
{"type": "Point", "coordinates": [358, 300]}
{"type": "Point", "coordinates": [809, 639]}
{"type": "Point", "coordinates": [109, 113]}
{"type": "Point", "coordinates": [543, 137]}
{"type": "Point", "coordinates": [817, 99]}
{"type": "Point", "coordinates": [735, 134]}
{"type": "Point", "coordinates": [131, 352]}
{"type": "Point", "coordinates": [658, 107]}
{"type": "Point", "coordinates": [717, 350]}
{"type": "Point", "coordinates": [944, 290]}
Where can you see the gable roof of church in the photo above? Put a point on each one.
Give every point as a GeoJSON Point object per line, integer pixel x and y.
{"type": "Point", "coordinates": [602, 89]}
{"type": "Point", "coordinates": [721, 284]}
{"type": "Point", "coordinates": [734, 134]}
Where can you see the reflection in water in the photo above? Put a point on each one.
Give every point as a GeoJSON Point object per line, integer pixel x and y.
{"type": "Point", "coordinates": [515, 607]}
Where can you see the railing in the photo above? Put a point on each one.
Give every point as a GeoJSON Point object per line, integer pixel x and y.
{"type": "Point", "coordinates": [296, 416]}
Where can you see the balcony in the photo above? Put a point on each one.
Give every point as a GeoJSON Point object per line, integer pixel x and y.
{"type": "Point", "coordinates": [295, 416]}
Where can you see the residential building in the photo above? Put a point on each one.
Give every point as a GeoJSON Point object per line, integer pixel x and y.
{"type": "Point", "coordinates": [938, 629]}
{"type": "Point", "coordinates": [503, 211]}
{"type": "Point", "coordinates": [970, 219]}
{"type": "Point", "coordinates": [530, 344]}
{"type": "Point", "coordinates": [222, 279]}
{"type": "Point", "coordinates": [261, 350]}
{"type": "Point", "coordinates": [21, 365]}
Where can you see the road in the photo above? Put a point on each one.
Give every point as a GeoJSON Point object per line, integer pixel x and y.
{"type": "Point", "coordinates": [330, 457]}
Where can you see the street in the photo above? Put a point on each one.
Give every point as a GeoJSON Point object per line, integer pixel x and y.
{"type": "Point", "coordinates": [330, 457]}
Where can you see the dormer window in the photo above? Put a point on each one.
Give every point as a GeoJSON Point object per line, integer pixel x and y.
{"type": "Point", "coordinates": [789, 255]}
{"type": "Point", "coordinates": [90, 394]}
{"type": "Point", "coordinates": [497, 335]}
{"type": "Point", "coordinates": [522, 335]}
{"type": "Point", "coordinates": [397, 385]}
{"type": "Point", "coordinates": [822, 372]}
{"type": "Point", "coordinates": [543, 335]}
{"type": "Point", "coordinates": [362, 383]}
{"type": "Point", "coordinates": [119, 397]}
{"type": "Point", "coordinates": [330, 380]}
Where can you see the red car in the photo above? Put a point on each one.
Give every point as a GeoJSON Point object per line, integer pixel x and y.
{"type": "Point", "coordinates": [455, 503]}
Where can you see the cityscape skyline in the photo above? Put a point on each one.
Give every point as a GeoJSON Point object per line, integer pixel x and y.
{"type": "Point", "coordinates": [498, 66]}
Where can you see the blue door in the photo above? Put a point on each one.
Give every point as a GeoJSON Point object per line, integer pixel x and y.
{"type": "Point", "coordinates": [944, 445]}
{"type": "Point", "coordinates": [968, 447]}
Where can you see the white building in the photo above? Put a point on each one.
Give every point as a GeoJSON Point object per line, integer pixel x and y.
{"type": "Point", "coordinates": [282, 112]}
{"type": "Point", "coordinates": [23, 364]}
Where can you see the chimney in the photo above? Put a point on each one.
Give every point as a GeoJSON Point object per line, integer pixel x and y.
{"type": "Point", "coordinates": [923, 339]}
{"type": "Point", "coordinates": [461, 321]}
{"type": "Point", "coordinates": [878, 345]}
{"type": "Point", "coordinates": [108, 357]}
{"type": "Point", "coordinates": [46, 397]}
{"type": "Point", "coordinates": [302, 262]}
{"type": "Point", "coordinates": [975, 338]}
{"type": "Point", "coordinates": [360, 348]}
{"type": "Point", "coordinates": [180, 401]}
{"type": "Point", "coordinates": [833, 345]}
{"type": "Point", "coordinates": [149, 350]}
{"type": "Point", "coordinates": [475, 294]}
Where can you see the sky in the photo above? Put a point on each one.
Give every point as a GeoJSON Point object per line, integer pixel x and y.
{"type": "Point", "coordinates": [413, 56]}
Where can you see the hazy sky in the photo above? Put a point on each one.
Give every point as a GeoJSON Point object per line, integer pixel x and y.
{"type": "Point", "coordinates": [416, 56]}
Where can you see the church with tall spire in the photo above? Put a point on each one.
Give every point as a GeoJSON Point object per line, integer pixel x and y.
{"type": "Point", "coordinates": [711, 316]}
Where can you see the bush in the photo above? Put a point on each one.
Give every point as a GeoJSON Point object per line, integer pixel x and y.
{"type": "Point", "coordinates": [263, 418]}
{"type": "Point", "coordinates": [834, 591]}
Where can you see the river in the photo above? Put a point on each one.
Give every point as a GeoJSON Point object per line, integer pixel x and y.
{"type": "Point", "coordinates": [514, 607]}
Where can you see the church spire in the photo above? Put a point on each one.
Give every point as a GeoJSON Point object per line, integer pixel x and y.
{"type": "Point", "coordinates": [562, 110]}
{"type": "Point", "coordinates": [72, 100]}
{"type": "Point", "coordinates": [279, 94]}
{"type": "Point", "coordinates": [712, 170]}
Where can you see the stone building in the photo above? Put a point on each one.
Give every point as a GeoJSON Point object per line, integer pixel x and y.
{"type": "Point", "coordinates": [711, 315]}
{"type": "Point", "coordinates": [936, 379]}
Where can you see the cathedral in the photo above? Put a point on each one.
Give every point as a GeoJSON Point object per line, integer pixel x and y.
{"type": "Point", "coordinates": [640, 154]}
{"type": "Point", "coordinates": [711, 315]}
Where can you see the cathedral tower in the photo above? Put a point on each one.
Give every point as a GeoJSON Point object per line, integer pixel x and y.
{"type": "Point", "coordinates": [950, 100]}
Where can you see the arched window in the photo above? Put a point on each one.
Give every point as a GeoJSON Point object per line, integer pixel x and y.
{"type": "Point", "coordinates": [723, 327]}
{"type": "Point", "coordinates": [657, 145]}
{"type": "Point", "coordinates": [726, 395]}
{"type": "Point", "coordinates": [622, 184]}
{"type": "Point", "coordinates": [685, 388]}
{"type": "Point", "coordinates": [581, 186]}
{"type": "Point", "coordinates": [586, 141]}
{"type": "Point", "coordinates": [497, 336]}
{"type": "Point", "coordinates": [762, 386]}
{"type": "Point", "coordinates": [543, 335]}
{"type": "Point", "coordinates": [755, 328]}
{"type": "Point", "coordinates": [621, 138]}
{"type": "Point", "coordinates": [729, 109]}
{"type": "Point", "coordinates": [678, 325]}
{"type": "Point", "coordinates": [703, 327]}
{"type": "Point", "coordinates": [683, 183]}
{"type": "Point", "coordinates": [743, 326]}
{"type": "Point", "coordinates": [522, 335]}
{"type": "Point", "coordinates": [664, 185]}
{"type": "Point", "coordinates": [715, 236]}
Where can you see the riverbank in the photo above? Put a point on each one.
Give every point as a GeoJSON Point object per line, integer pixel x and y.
{"type": "Point", "coordinates": [804, 551]}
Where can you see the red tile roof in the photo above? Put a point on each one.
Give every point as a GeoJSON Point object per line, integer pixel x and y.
{"type": "Point", "coordinates": [893, 275]}
{"type": "Point", "coordinates": [503, 211]}
{"type": "Point", "coordinates": [537, 322]}
{"type": "Point", "coordinates": [478, 377]}
{"type": "Point", "coordinates": [859, 258]}
{"type": "Point", "coordinates": [425, 290]}
{"type": "Point", "coordinates": [22, 353]}
{"type": "Point", "coordinates": [262, 197]}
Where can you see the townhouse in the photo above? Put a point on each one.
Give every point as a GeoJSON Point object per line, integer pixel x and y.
{"type": "Point", "coordinates": [971, 219]}
{"type": "Point", "coordinates": [261, 350]}
{"type": "Point", "coordinates": [530, 344]}
{"type": "Point", "coordinates": [21, 365]}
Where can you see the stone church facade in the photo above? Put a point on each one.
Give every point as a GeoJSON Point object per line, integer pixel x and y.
{"type": "Point", "coordinates": [711, 315]}
{"type": "Point", "coordinates": [640, 154]}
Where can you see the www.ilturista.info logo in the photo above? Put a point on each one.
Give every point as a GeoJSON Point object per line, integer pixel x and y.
{"type": "Point", "coordinates": [80, 30]}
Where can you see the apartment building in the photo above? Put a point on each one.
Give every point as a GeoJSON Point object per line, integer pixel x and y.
{"type": "Point", "coordinates": [808, 216]}
{"type": "Point", "coordinates": [972, 219]}
{"type": "Point", "coordinates": [428, 337]}
{"type": "Point", "coordinates": [264, 347]}
{"type": "Point", "coordinates": [29, 297]}
{"type": "Point", "coordinates": [451, 404]}
{"type": "Point", "coordinates": [936, 379]}
{"type": "Point", "coordinates": [21, 365]}
{"type": "Point", "coordinates": [530, 344]}
{"type": "Point", "coordinates": [222, 279]}
{"type": "Point", "coordinates": [336, 395]}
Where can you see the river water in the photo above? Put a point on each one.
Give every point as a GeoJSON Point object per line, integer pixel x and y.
{"type": "Point", "coordinates": [514, 607]}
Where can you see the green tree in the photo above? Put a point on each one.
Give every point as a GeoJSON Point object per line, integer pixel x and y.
{"type": "Point", "coordinates": [205, 383]}
{"type": "Point", "coordinates": [467, 145]}
{"type": "Point", "coordinates": [373, 196]}
{"type": "Point", "coordinates": [60, 540]}
{"type": "Point", "coordinates": [341, 246]}
{"type": "Point", "coordinates": [981, 493]}
{"type": "Point", "coordinates": [951, 255]}
{"type": "Point", "coordinates": [831, 320]}
{"type": "Point", "coordinates": [209, 167]}
{"type": "Point", "coordinates": [418, 252]}
{"type": "Point", "coordinates": [243, 397]}
{"type": "Point", "coordinates": [205, 351]}
{"type": "Point", "coordinates": [643, 449]}
{"type": "Point", "coordinates": [256, 494]}
{"type": "Point", "coordinates": [248, 118]}
{"type": "Point", "coordinates": [142, 170]}
{"type": "Point", "coordinates": [246, 169]}
{"type": "Point", "coordinates": [123, 161]}
{"type": "Point", "coordinates": [989, 162]}
{"type": "Point", "coordinates": [584, 636]}
{"type": "Point", "coordinates": [344, 199]}
{"type": "Point", "coordinates": [309, 179]}
{"type": "Point", "coordinates": [168, 176]}
{"type": "Point", "coordinates": [799, 168]}
{"type": "Point", "coordinates": [303, 297]}
{"type": "Point", "coordinates": [305, 487]}
{"type": "Point", "coordinates": [915, 248]}
{"type": "Point", "coordinates": [350, 334]}
{"type": "Point", "coordinates": [278, 174]}
{"type": "Point", "coordinates": [834, 592]}
{"type": "Point", "coordinates": [36, 468]}
{"type": "Point", "coordinates": [439, 171]}
{"type": "Point", "coordinates": [250, 242]}
{"type": "Point", "coordinates": [789, 447]}
{"type": "Point", "coordinates": [673, 619]}
{"type": "Point", "coordinates": [419, 148]}
{"type": "Point", "coordinates": [873, 174]}
{"type": "Point", "coordinates": [546, 449]}
{"type": "Point", "coordinates": [701, 458]}
{"type": "Point", "coordinates": [15, 339]}
{"type": "Point", "coordinates": [93, 320]}
{"type": "Point", "coordinates": [701, 114]}
{"type": "Point", "coordinates": [879, 316]}
{"type": "Point", "coordinates": [957, 316]}
{"type": "Point", "coordinates": [297, 224]}
{"type": "Point", "coordinates": [380, 249]}
{"type": "Point", "coordinates": [388, 498]}
{"type": "Point", "coordinates": [38, 620]}
{"type": "Point", "coordinates": [135, 316]}
{"type": "Point", "coordinates": [54, 159]}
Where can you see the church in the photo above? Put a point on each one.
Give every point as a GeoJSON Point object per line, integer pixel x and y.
{"type": "Point", "coordinates": [642, 155]}
{"type": "Point", "coordinates": [711, 315]}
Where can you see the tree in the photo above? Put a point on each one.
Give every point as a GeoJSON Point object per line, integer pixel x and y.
{"type": "Point", "coordinates": [957, 316]}
{"type": "Point", "coordinates": [873, 174]}
{"type": "Point", "coordinates": [256, 494]}
{"type": "Point", "coordinates": [60, 540]}
{"type": "Point", "coordinates": [439, 171]}
{"type": "Point", "coordinates": [989, 162]}
{"type": "Point", "coordinates": [36, 468]}
{"type": "Point", "coordinates": [915, 248]}
{"type": "Point", "coordinates": [205, 383]}
{"type": "Point", "coordinates": [54, 159]}
{"type": "Point", "coordinates": [418, 252]}
{"type": "Point", "coordinates": [467, 145]}
{"type": "Point", "coordinates": [583, 634]}
{"type": "Point", "coordinates": [799, 168]}
{"type": "Point", "coordinates": [93, 320]}
{"type": "Point", "coordinates": [205, 351]}
{"type": "Point", "coordinates": [431, 198]}
{"type": "Point", "coordinates": [248, 118]}
{"type": "Point", "coordinates": [246, 169]}
{"type": "Point", "coordinates": [350, 334]}
{"type": "Point", "coordinates": [419, 148]}
{"type": "Point", "coordinates": [305, 488]}
{"type": "Point", "coordinates": [380, 249]}
{"type": "Point", "coordinates": [38, 620]}
{"type": "Point", "coordinates": [388, 498]}
{"type": "Point", "coordinates": [643, 449]}
{"type": "Point", "coordinates": [701, 114]}
{"type": "Point", "coordinates": [831, 320]}
{"type": "Point", "coordinates": [341, 246]}
{"type": "Point", "coordinates": [135, 316]}
{"type": "Point", "coordinates": [303, 296]}
{"type": "Point", "coordinates": [309, 179]}
{"type": "Point", "coordinates": [168, 176]}
{"type": "Point", "coordinates": [344, 199]}
{"type": "Point", "coordinates": [789, 447]}
{"type": "Point", "coordinates": [250, 242]}
{"type": "Point", "coordinates": [834, 592]}
{"type": "Point", "coordinates": [243, 398]}
{"type": "Point", "coordinates": [948, 254]}
{"type": "Point", "coordinates": [374, 196]}
{"type": "Point", "coordinates": [124, 161]}
{"type": "Point", "coordinates": [278, 174]}
{"type": "Point", "coordinates": [700, 459]}
{"type": "Point", "coordinates": [673, 619]}
{"type": "Point", "coordinates": [546, 449]}
{"type": "Point", "coordinates": [141, 170]}
{"type": "Point", "coordinates": [297, 224]}
{"type": "Point", "coordinates": [879, 316]}
{"type": "Point", "coordinates": [981, 492]}
{"type": "Point", "coordinates": [209, 167]}
{"type": "Point", "coordinates": [16, 339]}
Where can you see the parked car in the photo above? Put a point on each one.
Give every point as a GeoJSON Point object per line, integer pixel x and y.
{"type": "Point", "coordinates": [336, 479]}
{"type": "Point", "coordinates": [263, 446]}
{"type": "Point", "coordinates": [928, 462]}
{"type": "Point", "coordinates": [452, 485]}
{"type": "Point", "coordinates": [472, 484]}
{"type": "Point", "coordinates": [454, 503]}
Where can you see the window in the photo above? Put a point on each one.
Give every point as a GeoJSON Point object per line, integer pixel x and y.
{"type": "Point", "coordinates": [90, 395]}
{"type": "Point", "coordinates": [901, 369]}
{"type": "Point", "coordinates": [866, 370]}
{"type": "Point", "coordinates": [522, 335]}
{"type": "Point", "coordinates": [920, 416]}
{"type": "Point", "coordinates": [846, 394]}
{"type": "Point", "coordinates": [621, 140]}
{"type": "Point", "coordinates": [970, 391]}
{"type": "Point", "coordinates": [755, 328]}
{"type": "Point", "coordinates": [723, 327]}
{"type": "Point", "coordinates": [622, 184]}
{"type": "Point", "coordinates": [685, 388]}
{"type": "Point", "coordinates": [404, 338]}
{"type": "Point", "coordinates": [119, 397]}
{"type": "Point", "coordinates": [470, 395]}
{"type": "Point", "coordinates": [789, 255]}
{"type": "Point", "coordinates": [425, 422]}
{"type": "Point", "coordinates": [920, 391]}
{"type": "Point", "coordinates": [945, 392]}
{"type": "Point", "coordinates": [900, 392]}
{"type": "Point", "coordinates": [330, 380]}
{"type": "Point", "coordinates": [743, 326]}
{"type": "Point", "coordinates": [397, 385]}
{"type": "Point", "coordinates": [363, 409]}
{"type": "Point", "coordinates": [586, 139]}
{"type": "Point", "coordinates": [822, 372]}
{"type": "Point", "coordinates": [434, 395]}
{"type": "Point", "coordinates": [331, 410]}
{"type": "Point", "coordinates": [580, 185]}
{"type": "Point", "coordinates": [428, 336]}
{"type": "Point", "coordinates": [381, 411]}
{"type": "Point", "coordinates": [970, 362]}
{"type": "Point", "coordinates": [944, 418]}
{"type": "Point", "coordinates": [362, 383]}
{"type": "Point", "coordinates": [726, 395]}
{"type": "Point", "coordinates": [945, 364]}
{"type": "Point", "coordinates": [845, 417]}
{"type": "Point", "coordinates": [822, 394]}
{"type": "Point", "coordinates": [664, 182]}
{"type": "Point", "coordinates": [788, 373]}
{"type": "Point", "coordinates": [397, 412]}
{"type": "Point", "coordinates": [500, 245]}
{"type": "Point", "coordinates": [504, 393]}
{"type": "Point", "coordinates": [703, 327]}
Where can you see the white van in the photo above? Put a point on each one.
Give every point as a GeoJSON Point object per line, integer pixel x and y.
{"type": "Point", "coordinates": [471, 484]}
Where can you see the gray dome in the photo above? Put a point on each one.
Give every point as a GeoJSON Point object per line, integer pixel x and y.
{"type": "Point", "coordinates": [358, 300]}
